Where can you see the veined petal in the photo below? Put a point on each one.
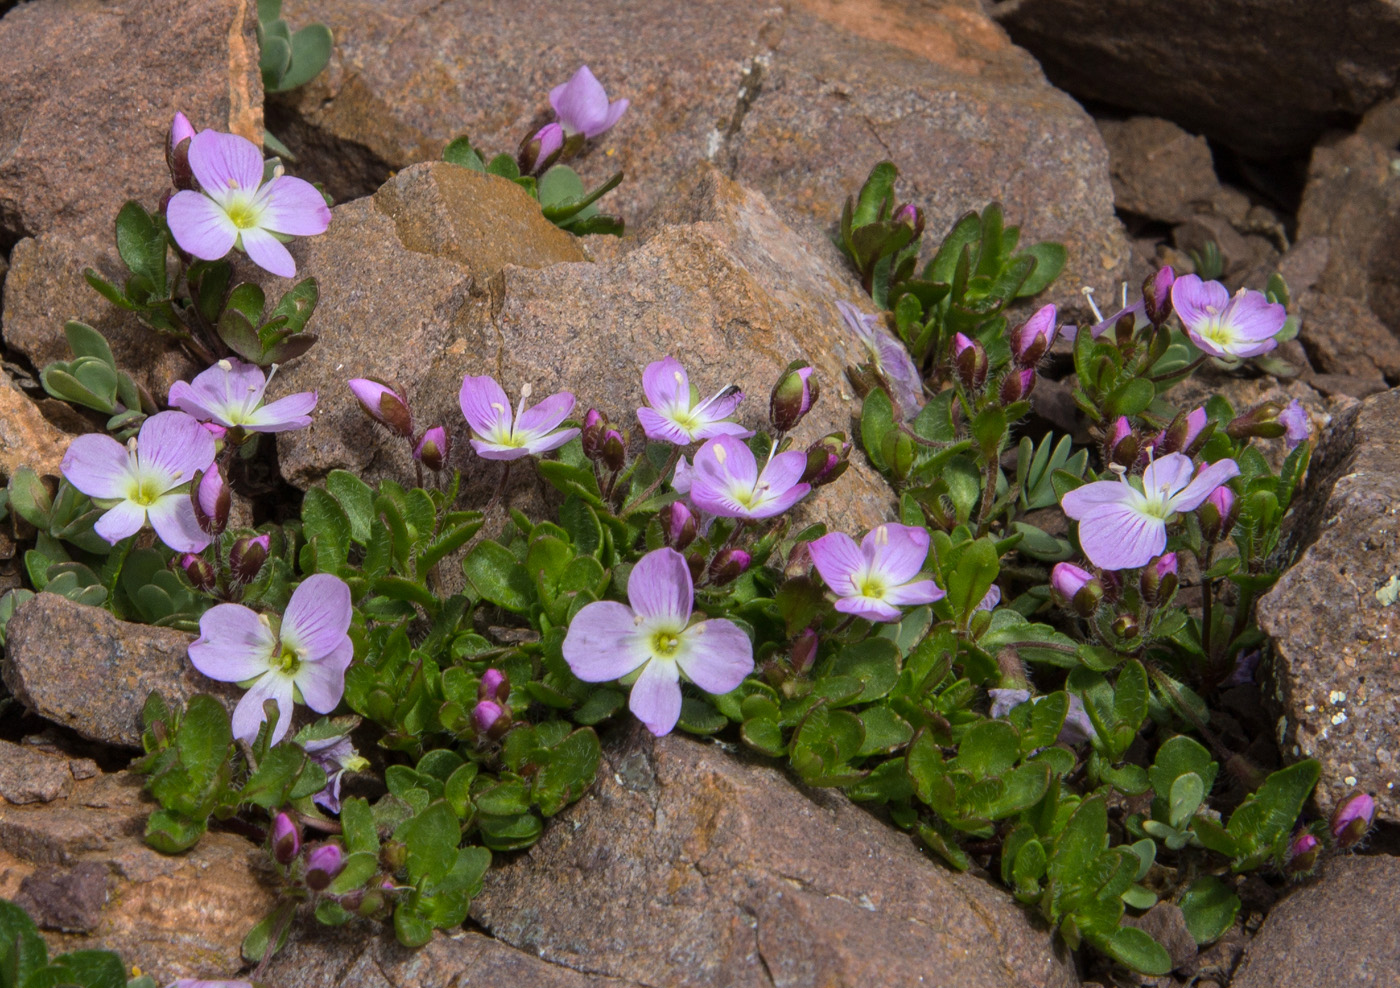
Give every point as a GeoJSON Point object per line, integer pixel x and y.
{"type": "Point", "coordinates": [666, 385]}
{"type": "Point", "coordinates": [867, 607]}
{"type": "Point", "coordinates": [98, 466]}
{"type": "Point", "coordinates": [1254, 317]}
{"type": "Point", "coordinates": [720, 407]}
{"type": "Point", "coordinates": [292, 206]}
{"type": "Point", "coordinates": [896, 553]}
{"type": "Point", "coordinates": [317, 616]}
{"type": "Point", "coordinates": [711, 429]}
{"type": "Point", "coordinates": [498, 451]}
{"type": "Point", "coordinates": [839, 561]}
{"type": "Point", "coordinates": [176, 444]}
{"type": "Point", "coordinates": [222, 162]}
{"type": "Point", "coordinates": [784, 470]}
{"type": "Point", "coordinates": [725, 461]}
{"type": "Point", "coordinates": [200, 226]}
{"type": "Point", "coordinates": [918, 592]}
{"type": "Point", "coordinates": [485, 407]}
{"type": "Point", "coordinates": [581, 103]}
{"type": "Point", "coordinates": [119, 522]}
{"type": "Point", "coordinates": [1167, 474]}
{"type": "Point", "coordinates": [615, 111]}
{"type": "Point", "coordinates": [775, 504]}
{"type": "Point", "coordinates": [661, 429]}
{"type": "Point", "coordinates": [1083, 499]}
{"type": "Point", "coordinates": [603, 642]}
{"type": "Point", "coordinates": [233, 644]}
{"type": "Point", "coordinates": [1196, 301]}
{"type": "Point", "coordinates": [552, 441]}
{"type": "Point", "coordinates": [322, 682]}
{"type": "Point", "coordinates": [248, 715]}
{"type": "Point", "coordinates": [268, 253]}
{"type": "Point", "coordinates": [1115, 536]}
{"type": "Point", "coordinates": [1194, 493]}
{"type": "Point", "coordinates": [715, 655]}
{"type": "Point", "coordinates": [538, 420]}
{"type": "Point", "coordinates": [656, 697]}
{"type": "Point", "coordinates": [172, 516]}
{"type": "Point", "coordinates": [291, 412]}
{"type": "Point", "coordinates": [660, 588]}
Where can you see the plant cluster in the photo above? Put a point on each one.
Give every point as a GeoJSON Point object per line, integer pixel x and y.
{"type": "Point", "coordinates": [1010, 689]}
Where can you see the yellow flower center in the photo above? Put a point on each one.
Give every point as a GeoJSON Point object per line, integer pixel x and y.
{"type": "Point", "coordinates": [870, 586]}
{"type": "Point", "coordinates": [147, 493]}
{"type": "Point", "coordinates": [288, 662]}
{"type": "Point", "coordinates": [664, 644]}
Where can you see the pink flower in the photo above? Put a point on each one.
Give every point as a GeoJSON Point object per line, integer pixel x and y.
{"type": "Point", "coordinates": [307, 654]}
{"type": "Point", "coordinates": [146, 479]}
{"type": "Point", "coordinates": [235, 209]}
{"type": "Point", "coordinates": [873, 580]}
{"type": "Point", "coordinates": [889, 357]}
{"type": "Point", "coordinates": [672, 416]}
{"type": "Point", "coordinates": [498, 436]}
{"type": "Point", "coordinates": [1223, 326]}
{"type": "Point", "coordinates": [1121, 527]}
{"type": "Point", "coordinates": [726, 482]}
{"type": "Point", "coordinates": [336, 756]}
{"type": "Point", "coordinates": [230, 394]}
{"type": "Point", "coordinates": [582, 105]}
{"type": "Point", "coordinates": [652, 643]}
{"type": "Point", "coordinates": [1296, 424]}
{"type": "Point", "coordinates": [1030, 340]}
{"type": "Point", "coordinates": [1352, 819]}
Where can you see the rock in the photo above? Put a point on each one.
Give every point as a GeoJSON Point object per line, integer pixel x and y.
{"type": "Point", "coordinates": [1215, 68]}
{"type": "Point", "coordinates": [1343, 336]}
{"type": "Point", "coordinates": [1166, 923]}
{"type": "Point", "coordinates": [82, 870]}
{"type": "Point", "coordinates": [725, 286]}
{"type": "Point", "coordinates": [1158, 170]}
{"type": "Point", "coordinates": [27, 776]}
{"type": "Point", "coordinates": [796, 100]}
{"type": "Point", "coordinates": [26, 437]}
{"type": "Point", "coordinates": [687, 866]}
{"type": "Point", "coordinates": [1338, 930]}
{"type": "Point", "coordinates": [87, 92]}
{"type": "Point", "coordinates": [368, 956]}
{"type": "Point", "coordinates": [80, 667]}
{"type": "Point", "coordinates": [1334, 640]}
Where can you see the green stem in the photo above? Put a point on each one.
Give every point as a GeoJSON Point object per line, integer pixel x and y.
{"type": "Point", "coordinates": [665, 472]}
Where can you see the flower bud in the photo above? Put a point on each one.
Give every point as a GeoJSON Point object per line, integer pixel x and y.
{"type": "Point", "coordinates": [177, 154]}
{"type": "Point", "coordinates": [793, 396]}
{"type": "Point", "coordinates": [1297, 427]}
{"type": "Point", "coordinates": [1125, 626]}
{"type": "Point", "coordinates": [493, 686]}
{"type": "Point", "coordinates": [246, 557]}
{"type": "Point", "coordinates": [1157, 296]}
{"type": "Point", "coordinates": [695, 562]}
{"type": "Point", "coordinates": [211, 499]}
{"type": "Point", "coordinates": [827, 459]}
{"type": "Point", "coordinates": [1187, 433]}
{"type": "Point", "coordinates": [199, 571]}
{"type": "Point", "coordinates": [1016, 385]}
{"type": "Point", "coordinates": [614, 453]}
{"type": "Point", "coordinates": [728, 566]}
{"type": "Point", "coordinates": [371, 903]}
{"type": "Point", "coordinates": [1031, 339]}
{"type": "Point", "coordinates": [970, 360]}
{"type": "Point", "coordinates": [1217, 513]}
{"type": "Point", "coordinates": [541, 149]}
{"type": "Point", "coordinates": [1302, 854]}
{"type": "Point", "coordinates": [1260, 422]}
{"type": "Point", "coordinates": [434, 449]}
{"type": "Point", "coordinates": [804, 651]}
{"type": "Point", "coordinates": [1352, 819]}
{"type": "Point", "coordinates": [1158, 580]}
{"type": "Point", "coordinates": [677, 525]}
{"type": "Point", "coordinates": [323, 865]}
{"type": "Point", "coordinates": [594, 431]}
{"type": "Point", "coordinates": [383, 404]}
{"type": "Point", "coordinates": [286, 839]}
{"type": "Point", "coordinates": [490, 719]}
{"type": "Point", "coordinates": [1123, 447]}
{"type": "Point", "coordinates": [910, 215]}
{"type": "Point", "coordinates": [1075, 587]}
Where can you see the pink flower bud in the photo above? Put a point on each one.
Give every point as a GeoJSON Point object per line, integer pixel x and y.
{"type": "Point", "coordinates": [1016, 385]}
{"type": "Point", "coordinates": [541, 149]}
{"type": "Point", "coordinates": [614, 454]}
{"type": "Point", "coordinates": [678, 526]}
{"type": "Point", "coordinates": [1297, 427]}
{"type": "Point", "coordinates": [1157, 296]}
{"type": "Point", "coordinates": [1076, 587]}
{"type": "Point", "coordinates": [211, 499]}
{"type": "Point", "coordinates": [199, 571]}
{"type": "Point", "coordinates": [793, 396]}
{"type": "Point", "coordinates": [728, 566]}
{"type": "Point", "coordinates": [593, 433]}
{"type": "Point", "coordinates": [1260, 422]}
{"type": "Point", "coordinates": [434, 449]}
{"type": "Point", "coordinates": [1158, 579]}
{"type": "Point", "coordinates": [490, 719]}
{"type": "Point", "coordinates": [1031, 339]}
{"type": "Point", "coordinates": [493, 686]}
{"type": "Point", "coordinates": [804, 651]}
{"type": "Point", "coordinates": [1352, 819]}
{"type": "Point", "coordinates": [970, 360]}
{"type": "Point", "coordinates": [912, 216]}
{"type": "Point", "coordinates": [180, 129]}
{"type": "Point", "coordinates": [383, 404]}
{"type": "Point", "coordinates": [1302, 854]}
{"type": "Point", "coordinates": [1122, 443]}
{"type": "Point", "coordinates": [323, 865]}
{"type": "Point", "coordinates": [1217, 513]}
{"type": "Point", "coordinates": [177, 154]}
{"type": "Point", "coordinates": [286, 839]}
{"type": "Point", "coordinates": [247, 556]}
{"type": "Point", "coordinates": [1186, 434]}
{"type": "Point", "coordinates": [827, 459]}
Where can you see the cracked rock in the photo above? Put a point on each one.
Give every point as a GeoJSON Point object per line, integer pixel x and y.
{"type": "Point", "coordinates": [718, 871]}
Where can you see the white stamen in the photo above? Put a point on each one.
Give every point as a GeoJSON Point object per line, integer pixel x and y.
{"type": "Point", "coordinates": [722, 393]}
{"type": "Point", "coordinates": [1088, 294]}
{"type": "Point", "coordinates": [271, 373]}
{"type": "Point", "coordinates": [1118, 468]}
{"type": "Point", "coordinates": [131, 446]}
{"type": "Point", "coordinates": [225, 366]}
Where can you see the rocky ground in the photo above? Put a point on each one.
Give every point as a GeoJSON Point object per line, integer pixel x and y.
{"type": "Point", "coordinates": [1277, 140]}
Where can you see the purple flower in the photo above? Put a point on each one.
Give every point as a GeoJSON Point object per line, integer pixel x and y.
{"type": "Point", "coordinates": [1166, 565]}
{"type": "Point", "coordinates": [889, 357]}
{"type": "Point", "coordinates": [990, 599]}
{"type": "Point", "coordinates": [970, 361]}
{"type": "Point", "coordinates": [1182, 434]}
{"type": "Point", "coordinates": [493, 686]}
{"type": "Point", "coordinates": [487, 410]}
{"type": "Point", "coordinates": [235, 209]}
{"type": "Point", "coordinates": [230, 394]}
{"type": "Point", "coordinates": [1243, 672]}
{"type": "Point", "coordinates": [147, 478]}
{"type": "Point", "coordinates": [653, 642]}
{"type": "Point", "coordinates": [540, 149]}
{"type": "Point", "coordinates": [1121, 527]}
{"type": "Point", "coordinates": [486, 715]}
{"type": "Point", "coordinates": [726, 481]}
{"type": "Point", "coordinates": [1137, 310]}
{"type": "Point", "coordinates": [582, 105]}
{"type": "Point", "coordinates": [336, 756]}
{"type": "Point", "coordinates": [1296, 424]}
{"type": "Point", "coordinates": [1352, 819]}
{"type": "Point", "coordinates": [199, 571]}
{"type": "Point", "coordinates": [247, 555]}
{"type": "Point", "coordinates": [306, 655]}
{"type": "Point", "coordinates": [1302, 853]}
{"type": "Point", "coordinates": [1030, 340]}
{"type": "Point", "coordinates": [1223, 326]}
{"type": "Point", "coordinates": [383, 404]}
{"type": "Point", "coordinates": [677, 524]}
{"type": "Point", "coordinates": [322, 865]}
{"type": "Point", "coordinates": [874, 579]}
{"type": "Point", "coordinates": [1017, 384]}
{"type": "Point", "coordinates": [1157, 295]}
{"type": "Point", "coordinates": [1006, 700]}
{"type": "Point", "coordinates": [673, 416]}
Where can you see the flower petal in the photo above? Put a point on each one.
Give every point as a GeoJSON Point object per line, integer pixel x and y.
{"type": "Point", "coordinates": [1196, 301]}
{"type": "Point", "coordinates": [656, 697]}
{"type": "Point", "coordinates": [868, 608]}
{"type": "Point", "coordinates": [711, 429]}
{"type": "Point", "coordinates": [268, 253]}
{"type": "Point", "coordinates": [539, 420]}
{"type": "Point", "coordinates": [98, 466]}
{"type": "Point", "coordinates": [172, 516]}
{"type": "Point", "coordinates": [1115, 536]}
{"type": "Point", "coordinates": [896, 552]}
{"type": "Point", "coordinates": [317, 616]}
{"type": "Point", "coordinates": [485, 407]}
{"type": "Point", "coordinates": [200, 226]}
{"type": "Point", "coordinates": [839, 561]}
{"type": "Point", "coordinates": [221, 162]}
{"type": "Point", "coordinates": [581, 103]}
{"type": "Point", "coordinates": [660, 588]}
{"type": "Point", "coordinates": [1254, 317]}
{"type": "Point", "coordinates": [919, 592]}
{"type": "Point", "coordinates": [498, 451]}
{"type": "Point", "coordinates": [1169, 473]}
{"type": "Point", "coordinates": [233, 644]}
{"type": "Point", "coordinates": [248, 715]}
{"type": "Point", "coordinates": [322, 682]}
{"type": "Point", "coordinates": [291, 412]}
{"type": "Point", "coordinates": [666, 384]}
{"type": "Point", "coordinates": [783, 471]}
{"type": "Point", "coordinates": [723, 462]}
{"type": "Point", "coordinates": [1081, 500]}
{"type": "Point", "coordinates": [603, 643]}
{"type": "Point", "coordinates": [174, 444]}
{"type": "Point", "coordinates": [615, 111]}
{"type": "Point", "coordinates": [551, 441]}
{"type": "Point", "coordinates": [1206, 481]}
{"type": "Point", "coordinates": [715, 655]}
{"type": "Point", "coordinates": [119, 522]}
{"type": "Point", "coordinates": [659, 428]}
{"type": "Point", "coordinates": [292, 206]}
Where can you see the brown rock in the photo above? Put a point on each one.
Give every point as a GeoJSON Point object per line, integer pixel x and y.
{"type": "Point", "coordinates": [80, 667]}
{"type": "Point", "coordinates": [732, 293]}
{"type": "Point", "coordinates": [87, 93]}
{"type": "Point", "coordinates": [1158, 170]}
{"type": "Point", "coordinates": [81, 868]}
{"type": "Point", "coordinates": [1339, 930]}
{"type": "Point", "coordinates": [1166, 923]}
{"type": "Point", "coordinates": [1263, 76]}
{"type": "Point", "coordinates": [27, 776]}
{"type": "Point", "coordinates": [1336, 658]}
{"type": "Point", "coordinates": [686, 866]}
{"type": "Point", "coordinates": [796, 100]}
{"type": "Point", "coordinates": [26, 437]}
{"type": "Point", "coordinates": [1343, 336]}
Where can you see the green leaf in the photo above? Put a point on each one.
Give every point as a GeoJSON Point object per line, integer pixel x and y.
{"type": "Point", "coordinates": [497, 576]}
{"type": "Point", "coordinates": [298, 304]}
{"type": "Point", "coordinates": [460, 152]}
{"type": "Point", "coordinates": [1209, 908]}
{"type": "Point", "coordinates": [1130, 398]}
{"type": "Point", "coordinates": [141, 244]}
{"type": "Point", "coordinates": [91, 969]}
{"type": "Point", "coordinates": [431, 838]}
{"type": "Point", "coordinates": [878, 187]}
{"type": "Point", "coordinates": [170, 832]}
{"type": "Point", "coordinates": [22, 950]}
{"type": "Point", "coordinates": [874, 662]}
{"type": "Point", "coordinates": [356, 500]}
{"type": "Point", "coordinates": [1050, 259]}
{"type": "Point", "coordinates": [1136, 949]}
{"type": "Point", "coordinates": [357, 826]}
{"type": "Point", "coordinates": [310, 51]}
{"type": "Point", "coordinates": [876, 421]}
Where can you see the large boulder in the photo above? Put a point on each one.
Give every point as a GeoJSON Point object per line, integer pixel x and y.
{"type": "Point", "coordinates": [1334, 617]}
{"type": "Point", "coordinates": [687, 866]}
{"type": "Point", "coordinates": [796, 100]}
{"type": "Point", "coordinates": [1216, 68]}
{"type": "Point", "coordinates": [27, 439]}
